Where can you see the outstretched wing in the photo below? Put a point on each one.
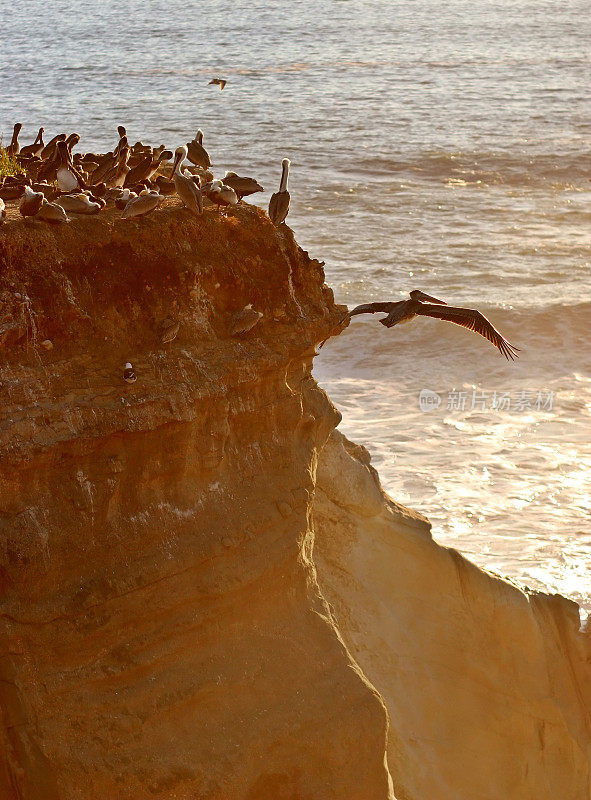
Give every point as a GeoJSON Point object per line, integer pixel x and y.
{"type": "Point", "coordinates": [474, 321]}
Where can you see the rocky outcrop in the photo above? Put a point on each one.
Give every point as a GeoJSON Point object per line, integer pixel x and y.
{"type": "Point", "coordinates": [488, 688]}
{"type": "Point", "coordinates": [162, 630]}
{"type": "Point", "coordinates": [204, 592]}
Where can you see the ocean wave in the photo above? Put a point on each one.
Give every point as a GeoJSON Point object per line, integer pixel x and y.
{"type": "Point", "coordinates": [503, 168]}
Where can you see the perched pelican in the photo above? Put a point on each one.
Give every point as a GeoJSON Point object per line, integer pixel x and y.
{"type": "Point", "coordinates": [49, 148]}
{"type": "Point", "coordinates": [122, 169]}
{"type": "Point", "coordinates": [129, 375]}
{"type": "Point", "coordinates": [424, 305]}
{"type": "Point", "coordinates": [186, 188]}
{"type": "Point", "coordinates": [196, 153]}
{"type": "Point", "coordinates": [244, 320]}
{"type": "Point", "coordinates": [143, 204]}
{"type": "Point", "coordinates": [14, 147]}
{"type": "Point", "coordinates": [31, 202]}
{"type": "Point", "coordinates": [147, 167]}
{"type": "Point", "coordinates": [68, 177]}
{"type": "Point", "coordinates": [165, 185]}
{"type": "Point", "coordinates": [99, 190]}
{"type": "Point", "coordinates": [242, 186]}
{"type": "Point", "coordinates": [52, 212]}
{"type": "Point", "coordinates": [2, 210]}
{"type": "Point", "coordinates": [47, 189]}
{"type": "Point", "coordinates": [121, 144]}
{"type": "Point", "coordinates": [222, 195]}
{"type": "Point", "coordinates": [36, 148]}
{"type": "Point", "coordinates": [124, 198]}
{"type": "Point", "coordinates": [106, 165]}
{"type": "Point", "coordinates": [168, 330]}
{"type": "Point", "coordinates": [13, 191]}
{"type": "Point", "coordinates": [279, 202]}
{"type": "Point", "coordinates": [72, 141]}
{"type": "Point", "coordinates": [121, 131]}
{"type": "Point", "coordinates": [218, 82]}
{"type": "Point", "coordinates": [78, 204]}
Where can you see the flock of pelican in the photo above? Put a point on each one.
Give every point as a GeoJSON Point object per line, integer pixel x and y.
{"type": "Point", "coordinates": [56, 182]}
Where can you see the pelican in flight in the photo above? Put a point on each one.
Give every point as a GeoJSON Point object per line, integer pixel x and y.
{"type": "Point", "coordinates": [279, 202]}
{"type": "Point", "coordinates": [423, 305]}
{"type": "Point", "coordinates": [218, 82]}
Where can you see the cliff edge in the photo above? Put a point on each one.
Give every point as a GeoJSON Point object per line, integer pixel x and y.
{"type": "Point", "coordinates": [204, 593]}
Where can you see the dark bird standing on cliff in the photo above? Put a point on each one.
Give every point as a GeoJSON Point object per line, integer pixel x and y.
{"type": "Point", "coordinates": [423, 305]}
{"type": "Point", "coordinates": [279, 202]}
{"type": "Point", "coordinates": [242, 186]}
{"type": "Point", "coordinates": [14, 147]}
{"type": "Point", "coordinates": [196, 153]}
{"type": "Point", "coordinates": [49, 148]}
{"type": "Point", "coordinates": [36, 148]}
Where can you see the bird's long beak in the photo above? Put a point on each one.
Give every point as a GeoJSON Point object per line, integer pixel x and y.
{"type": "Point", "coordinates": [426, 298]}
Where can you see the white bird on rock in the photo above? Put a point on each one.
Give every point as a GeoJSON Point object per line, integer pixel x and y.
{"type": "Point", "coordinates": [52, 212]}
{"type": "Point", "coordinates": [78, 204]}
{"type": "Point", "coordinates": [186, 187]}
{"type": "Point", "coordinates": [141, 205]}
{"type": "Point", "coordinates": [31, 202]}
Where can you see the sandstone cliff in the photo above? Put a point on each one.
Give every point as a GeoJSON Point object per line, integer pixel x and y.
{"type": "Point", "coordinates": [203, 591]}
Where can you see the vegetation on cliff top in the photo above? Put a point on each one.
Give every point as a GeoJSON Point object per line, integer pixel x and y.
{"type": "Point", "coordinates": [8, 164]}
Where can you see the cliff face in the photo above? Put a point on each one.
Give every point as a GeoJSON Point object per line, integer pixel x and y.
{"type": "Point", "coordinates": [488, 689]}
{"type": "Point", "coordinates": [168, 548]}
{"type": "Point", "coordinates": [162, 629]}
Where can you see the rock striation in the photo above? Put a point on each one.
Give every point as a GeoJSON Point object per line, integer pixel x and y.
{"type": "Point", "coordinates": [204, 592]}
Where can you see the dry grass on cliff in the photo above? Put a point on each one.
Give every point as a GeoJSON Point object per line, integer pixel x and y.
{"type": "Point", "coordinates": [8, 164]}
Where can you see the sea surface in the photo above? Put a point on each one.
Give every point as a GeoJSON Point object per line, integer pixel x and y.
{"type": "Point", "coordinates": [440, 146]}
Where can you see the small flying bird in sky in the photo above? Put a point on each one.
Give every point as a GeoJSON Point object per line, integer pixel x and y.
{"type": "Point", "coordinates": [129, 375]}
{"type": "Point", "coordinates": [423, 305]}
{"type": "Point", "coordinates": [218, 82]}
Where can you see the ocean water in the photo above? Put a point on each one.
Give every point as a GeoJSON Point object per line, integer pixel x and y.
{"type": "Point", "coordinates": [441, 146]}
